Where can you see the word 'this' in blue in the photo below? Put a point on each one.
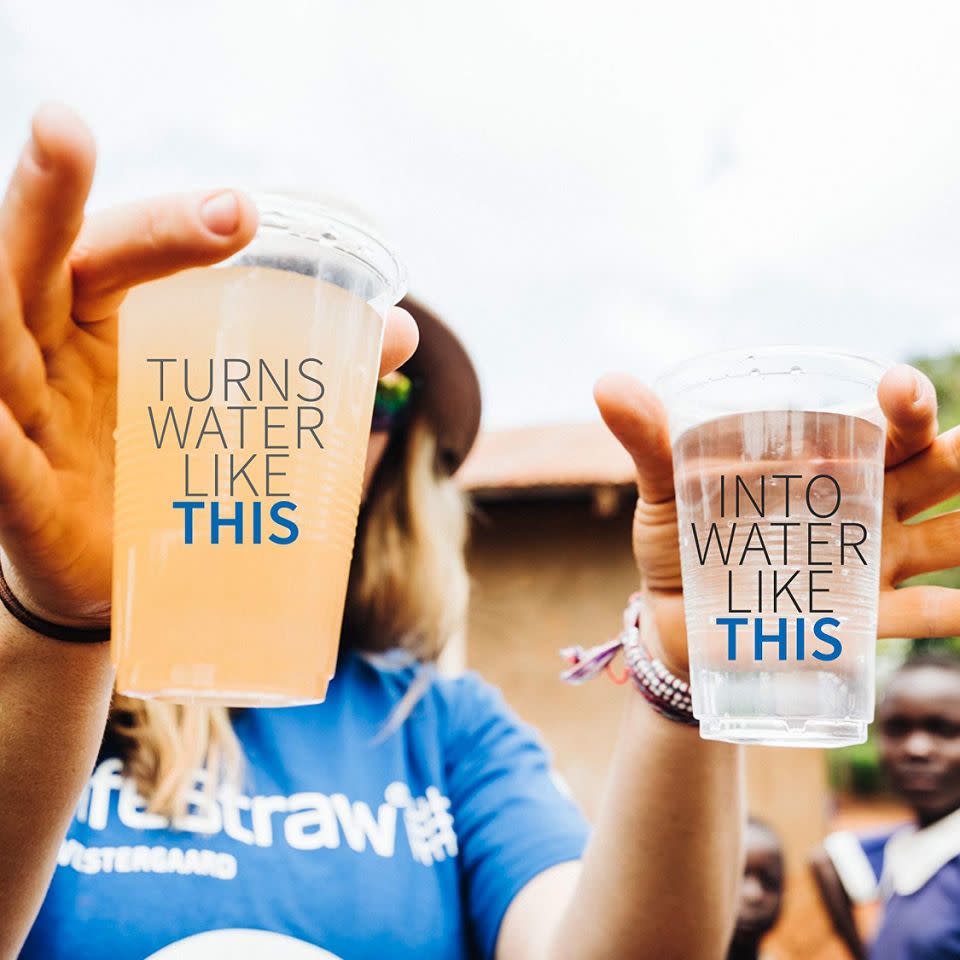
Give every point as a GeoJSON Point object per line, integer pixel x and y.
{"type": "Point", "coordinates": [781, 640]}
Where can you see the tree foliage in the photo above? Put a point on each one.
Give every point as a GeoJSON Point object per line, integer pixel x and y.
{"type": "Point", "coordinates": [944, 371]}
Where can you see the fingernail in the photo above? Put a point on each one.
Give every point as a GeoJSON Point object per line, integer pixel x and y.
{"type": "Point", "coordinates": [221, 213]}
{"type": "Point", "coordinates": [919, 386]}
{"type": "Point", "coordinates": [39, 156]}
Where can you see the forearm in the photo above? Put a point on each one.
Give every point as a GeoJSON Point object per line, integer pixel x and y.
{"type": "Point", "coordinates": [837, 902]}
{"type": "Point", "coordinates": [661, 874]}
{"type": "Point", "coordinates": [54, 698]}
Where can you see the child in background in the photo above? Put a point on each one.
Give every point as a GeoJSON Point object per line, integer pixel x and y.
{"type": "Point", "coordinates": [762, 893]}
{"type": "Point", "coordinates": [913, 871]}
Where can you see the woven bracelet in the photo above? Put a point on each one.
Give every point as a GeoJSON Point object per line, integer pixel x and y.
{"type": "Point", "coordinates": [663, 690]}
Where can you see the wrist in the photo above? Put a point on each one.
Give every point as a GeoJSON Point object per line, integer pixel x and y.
{"type": "Point", "coordinates": [664, 628]}
{"type": "Point", "coordinates": [21, 604]}
{"type": "Point", "coordinates": [680, 670]}
{"type": "Point", "coordinates": [668, 694]}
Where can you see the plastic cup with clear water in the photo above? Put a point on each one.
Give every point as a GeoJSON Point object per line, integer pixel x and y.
{"type": "Point", "coordinates": [778, 464]}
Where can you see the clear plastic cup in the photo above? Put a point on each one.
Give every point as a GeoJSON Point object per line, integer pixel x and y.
{"type": "Point", "coordinates": [245, 396]}
{"type": "Point", "coordinates": [778, 464]}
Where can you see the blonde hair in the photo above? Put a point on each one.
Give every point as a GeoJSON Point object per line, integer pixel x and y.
{"type": "Point", "coordinates": [408, 589]}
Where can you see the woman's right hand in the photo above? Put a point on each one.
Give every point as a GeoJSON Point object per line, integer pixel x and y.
{"type": "Point", "coordinates": [62, 280]}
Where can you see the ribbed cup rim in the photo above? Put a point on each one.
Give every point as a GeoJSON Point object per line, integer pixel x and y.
{"type": "Point", "coordinates": [324, 223]}
{"type": "Point", "coordinates": [715, 366]}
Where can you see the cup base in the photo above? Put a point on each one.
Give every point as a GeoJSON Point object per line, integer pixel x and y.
{"type": "Point", "coordinates": [221, 698]}
{"type": "Point", "coordinates": [784, 731]}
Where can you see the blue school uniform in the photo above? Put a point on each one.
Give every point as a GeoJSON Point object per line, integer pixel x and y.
{"type": "Point", "coordinates": [916, 875]}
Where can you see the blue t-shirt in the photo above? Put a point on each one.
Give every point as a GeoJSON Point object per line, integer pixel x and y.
{"type": "Point", "coordinates": [339, 846]}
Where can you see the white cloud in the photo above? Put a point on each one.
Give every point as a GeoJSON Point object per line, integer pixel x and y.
{"type": "Point", "coordinates": [575, 187]}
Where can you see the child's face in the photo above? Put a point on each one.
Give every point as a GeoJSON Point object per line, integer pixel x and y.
{"type": "Point", "coordinates": [919, 736]}
{"type": "Point", "coordinates": [762, 889]}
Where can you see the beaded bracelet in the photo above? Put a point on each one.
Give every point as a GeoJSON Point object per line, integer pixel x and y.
{"type": "Point", "coordinates": [665, 692]}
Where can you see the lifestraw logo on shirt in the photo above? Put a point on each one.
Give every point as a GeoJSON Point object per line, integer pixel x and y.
{"type": "Point", "coordinates": [241, 945]}
{"type": "Point", "coordinates": [303, 821]}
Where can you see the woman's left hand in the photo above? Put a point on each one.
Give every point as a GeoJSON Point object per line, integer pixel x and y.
{"type": "Point", "coordinates": [922, 470]}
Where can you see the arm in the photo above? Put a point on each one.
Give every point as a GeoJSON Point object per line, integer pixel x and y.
{"type": "Point", "coordinates": [62, 279]}
{"type": "Point", "coordinates": [660, 877]}
{"type": "Point", "coordinates": [61, 282]}
{"type": "Point", "coordinates": [676, 854]}
{"type": "Point", "coordinates": [661, 873]}
{"type": "Point", "coordinates": [53, 706]}
{"type": "Point", "coordinates": [837, 902]}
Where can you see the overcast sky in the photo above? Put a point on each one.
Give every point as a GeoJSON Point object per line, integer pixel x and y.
{"type": "Point", "coordinates": [575, 186]}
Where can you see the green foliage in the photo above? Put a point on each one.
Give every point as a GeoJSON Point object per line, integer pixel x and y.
{"type": "Point", "coordinates": [856, 770]}
{"type": "Point", "coordinates": [945, 373]}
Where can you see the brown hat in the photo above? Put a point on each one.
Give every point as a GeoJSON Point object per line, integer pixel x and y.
{"type": "Point", "coordinates": [446, 385]}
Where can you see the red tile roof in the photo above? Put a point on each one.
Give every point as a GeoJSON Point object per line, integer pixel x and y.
{"type": "Point", "coordinates": [564, 457]}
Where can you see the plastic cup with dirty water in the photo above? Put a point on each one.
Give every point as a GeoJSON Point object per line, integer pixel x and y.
{"type": "Point", "coordinates": [244, 406]}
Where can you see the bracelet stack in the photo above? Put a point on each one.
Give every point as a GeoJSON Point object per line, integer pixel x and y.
{"type": "Point", "coordinates": [667, 693]}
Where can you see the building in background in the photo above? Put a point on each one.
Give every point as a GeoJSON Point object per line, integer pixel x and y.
{"type": "Point", "coordinates": [552, 566]}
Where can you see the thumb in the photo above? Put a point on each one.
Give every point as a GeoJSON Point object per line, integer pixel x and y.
{"type": "Point", "coordinates": [909, 402]}
{"type": "Point", "coordinates": [636, 417]}
{"type": "Point", "coordinates": [400, 340]}
{"type": "Point", "coordinates": [129, 245]}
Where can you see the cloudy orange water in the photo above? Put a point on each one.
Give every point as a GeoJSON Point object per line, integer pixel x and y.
{"type": "Point", "coordinates": [292, 363]}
